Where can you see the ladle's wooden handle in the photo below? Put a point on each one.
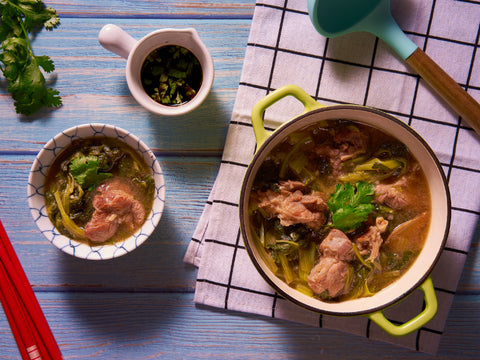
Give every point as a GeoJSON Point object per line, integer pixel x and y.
{"type": "Point", "coordinates": [464, 104]}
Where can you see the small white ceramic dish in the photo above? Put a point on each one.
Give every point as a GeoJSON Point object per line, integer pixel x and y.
{"type": "Point", "coordinates": [36, 200]}
{"type": "Point", "coordinates": [116, 40]}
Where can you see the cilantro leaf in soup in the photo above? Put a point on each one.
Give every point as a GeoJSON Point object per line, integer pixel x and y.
{"type": "Point", "coordinates": [351, 204]}
{"type": "Point", "coordinates": [85, 171]}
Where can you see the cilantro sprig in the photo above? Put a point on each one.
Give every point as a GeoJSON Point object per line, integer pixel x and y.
{"type": "Point", "coordinates": [351, 204]}
{"type": "Point", "coordinates": [21, 68]}
{"type": "Point", "coordinates": [86, 171]}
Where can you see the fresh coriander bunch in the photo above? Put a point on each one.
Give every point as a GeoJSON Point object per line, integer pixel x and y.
{"type": "Point", "coordinates": [21, 68]}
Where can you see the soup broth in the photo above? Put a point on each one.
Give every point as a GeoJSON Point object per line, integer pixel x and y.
{"type": "Point", "coordinates": [339, 210]}
{"type": "Point", "coordinates": [99, 190]}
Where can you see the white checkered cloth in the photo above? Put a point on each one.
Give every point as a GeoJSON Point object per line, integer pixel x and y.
{"type": "Point", "coordinates": [283, 48]}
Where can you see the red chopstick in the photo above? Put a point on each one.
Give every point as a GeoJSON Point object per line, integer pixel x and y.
{"type": "Point", "coordinates": [17, 334]}
{"type": "Point", "coordinates": [29, 326]}
{"type": "Point", "coordinates": [15, 314]}
{"type": "Point", "coordinates": [20, 302]}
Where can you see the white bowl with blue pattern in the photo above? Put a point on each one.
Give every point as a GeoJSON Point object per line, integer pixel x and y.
{"type": "Point", "coordinates": [36, 185]}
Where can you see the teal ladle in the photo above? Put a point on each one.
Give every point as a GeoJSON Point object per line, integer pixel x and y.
{"type": "Point", "coordinates": [333, 18]}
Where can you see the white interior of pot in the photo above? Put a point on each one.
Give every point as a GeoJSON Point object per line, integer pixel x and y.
{"type": "Point", "coordinates": [438, 228]}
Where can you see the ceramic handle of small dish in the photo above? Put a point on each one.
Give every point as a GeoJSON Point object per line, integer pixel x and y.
{"type": "Point", "coordinates": [460, 101]}
{"type": "Point", "coordinates": [261, 134]}
{"type": "Point", "coordinates": [115, 39]}
{"type": "Point", "coordinates": [417, 322]}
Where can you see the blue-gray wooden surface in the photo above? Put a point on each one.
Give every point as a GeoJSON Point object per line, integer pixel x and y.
{"type": "Point", "coordinates": [140, 306]}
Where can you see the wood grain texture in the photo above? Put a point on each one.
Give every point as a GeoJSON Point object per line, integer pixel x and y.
{"type": "Point", "coordinates": [154, 9]}
{"type": "Point", "coordinates": [140, 306]}
{"type": "Point", "coordinates": [92, 84]}
{"type": "Point", "coordinates": [140, 325]}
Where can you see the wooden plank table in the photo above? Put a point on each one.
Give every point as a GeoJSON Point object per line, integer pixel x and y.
{"type": "Point", "coordinates": [140, 306]}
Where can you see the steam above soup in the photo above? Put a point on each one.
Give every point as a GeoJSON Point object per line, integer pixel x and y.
{"type": "Point", "coordinates": [99, 190]}
{"type": "Point", "coordinates": [339, 210]}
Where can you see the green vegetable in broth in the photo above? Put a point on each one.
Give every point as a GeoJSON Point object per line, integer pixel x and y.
{"type": "Point", "coordinates": [99, 190]}
{"type": "Point", "coordinates": [375, 170]}
{"type": "Point", "coordinates": [339, 210]}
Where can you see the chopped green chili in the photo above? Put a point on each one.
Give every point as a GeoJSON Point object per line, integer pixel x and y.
{"type": "Point", "coordinates": [171, 75]}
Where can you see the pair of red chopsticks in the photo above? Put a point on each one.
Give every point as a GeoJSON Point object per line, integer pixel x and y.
{"type": "Point", "coordinates": [27, 321]}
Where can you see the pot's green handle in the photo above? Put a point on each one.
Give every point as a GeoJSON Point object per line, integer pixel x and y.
{"type": "Point", "coordinates": [417, 322]}
{"type": "Point", "coordinates": [261, 134]}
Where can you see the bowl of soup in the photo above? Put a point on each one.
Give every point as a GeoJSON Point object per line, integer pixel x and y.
{"type": "Point", "coordinates": [96, 191]}
{"type": "Point", "coordinates": [344, 210]}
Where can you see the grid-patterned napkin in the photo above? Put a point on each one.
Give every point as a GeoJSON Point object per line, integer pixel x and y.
{"type": "Point", "coordinates": [283, 48]}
